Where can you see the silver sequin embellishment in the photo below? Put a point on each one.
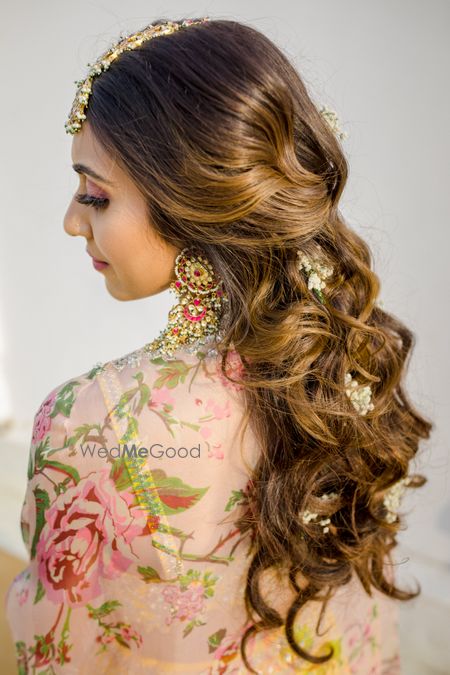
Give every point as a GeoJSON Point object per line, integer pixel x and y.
{"type": "Point", "coordinates": [135, 357]}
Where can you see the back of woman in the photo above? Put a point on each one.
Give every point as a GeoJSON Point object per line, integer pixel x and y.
{"type": "Point", "coordinates": [223, 499]}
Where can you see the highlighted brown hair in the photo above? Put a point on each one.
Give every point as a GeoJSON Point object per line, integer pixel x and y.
{"type": "Point", "coordinates": [218, 131]}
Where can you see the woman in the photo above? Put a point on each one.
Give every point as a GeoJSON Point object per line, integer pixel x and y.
{"type": "Point", "coordinates": [223, 499]}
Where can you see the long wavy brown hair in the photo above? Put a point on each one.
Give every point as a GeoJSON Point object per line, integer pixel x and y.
{"type": "Point", "coordinates": [218, 131]}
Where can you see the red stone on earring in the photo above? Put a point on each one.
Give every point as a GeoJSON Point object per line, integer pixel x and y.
{"type": "Point", "coordinates": [191, 317]}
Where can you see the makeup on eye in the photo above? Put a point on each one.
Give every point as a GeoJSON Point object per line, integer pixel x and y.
{"type": "Point", "coordinates": [94, 196]}
{"type": "Point", "coordinates": [93, 189]}
{"type": "Point", "coordinates": [90, 200]}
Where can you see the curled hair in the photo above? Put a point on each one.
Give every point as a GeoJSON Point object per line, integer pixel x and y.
{"type": "Point", "coordinates": [217, 130]}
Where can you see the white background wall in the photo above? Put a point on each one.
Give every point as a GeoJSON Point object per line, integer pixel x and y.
{"type": "Point", "coordinates": [383, 67]}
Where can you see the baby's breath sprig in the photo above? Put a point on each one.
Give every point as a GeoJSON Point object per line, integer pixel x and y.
{"type": "Point", "coordinates": [391, 501]}
{"type": "Point", "coordinates": [393, 498]}
{"type": "Point", "coordinates": [317, 273]}
{"type": "Point", "coordinates": [307, 516]}
{"type": "Point", "coordinates": [359, 396]}
{"type": "Point", "coordinates": [333, 120]}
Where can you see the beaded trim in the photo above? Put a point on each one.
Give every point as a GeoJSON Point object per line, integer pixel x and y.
{"type": "Point", "coordinates": [206, 346]}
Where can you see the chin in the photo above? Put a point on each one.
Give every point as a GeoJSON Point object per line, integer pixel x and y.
{"type": "Point", "coordinates": [120, 293]}
{"type": "Point", "coordinates": [124, 294]}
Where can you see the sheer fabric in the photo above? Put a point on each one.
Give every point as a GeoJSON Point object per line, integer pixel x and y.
{"type": "Point", "coordinates": [110, 588]}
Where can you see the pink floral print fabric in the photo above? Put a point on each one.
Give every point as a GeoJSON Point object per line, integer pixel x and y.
{"type": "Point", "coordinates": [98, 595]}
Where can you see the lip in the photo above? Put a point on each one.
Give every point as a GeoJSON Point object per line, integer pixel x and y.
{"type": "Point", "coordinates": [99, 264]}
{"type": "Point", "coordinates": [97, 259]}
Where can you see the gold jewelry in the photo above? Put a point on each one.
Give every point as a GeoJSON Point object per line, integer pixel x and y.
{"type": "Point", "coordinates": [77, 114]}
{"type": "Point", "coordinates": [195, 322]}
{"type": "Point", "coordinates": [197, 315]}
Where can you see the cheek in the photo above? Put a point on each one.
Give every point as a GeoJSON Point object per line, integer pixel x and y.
{"type": "Point", "coordinates": [121, 237]}
{"type": "Point", "coordinates": [118, 242]}
{"type": "Point", "coordinates": [107, 241]}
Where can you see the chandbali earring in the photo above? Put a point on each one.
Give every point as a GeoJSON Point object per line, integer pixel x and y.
{"type": "Point", "coordinates": [196, 320]}
{"type": "Point", "coordinates": [196, 317]}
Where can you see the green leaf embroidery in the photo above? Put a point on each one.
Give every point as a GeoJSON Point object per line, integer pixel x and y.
{"type": "Point", "coordinates": [149, 575]}
{"type": "Point", "coordinates": [65, 468]}
{"type": "Point", "coordinates": [236, 497]}
{"type": "Point", "coordinates": [25, 530]}
{"type": "Point", "coordinates": [65, 399]}
{"type": "Point", "coordinates": [30, 470]}
{"type": "Point", "coordinates": [40, 592]}
{"type": "Point", "coordinates": [40, 452]}
{"type": "Point", "coordinates": [171, 375]}
{"type": "Point", "coordinates": [215, 639]}
{"type": "Point", "coordinates": [97, 368]}
{"type": "Point", "coordinates": [119, 474]}
{"type": "Point", "coordinates": [42, 503]}
{"type": "Point", "coordinates": [176, 495]}
{"type": "Point", "coordinates": [104, 609]}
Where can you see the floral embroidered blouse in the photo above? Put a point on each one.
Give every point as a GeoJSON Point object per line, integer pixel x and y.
{"type": "Point", "coordinates": [118, 584]}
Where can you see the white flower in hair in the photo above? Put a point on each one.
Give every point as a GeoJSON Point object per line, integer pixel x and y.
{"type": "Point", "coordinates": [324, 522]}
{"type": "Point", "coordinates": [307, 516]}
{"type": "Point", "coordinates": [391, 501]}
{"type": "Point", "coordinates": [333, 120]}
{"type": "Point", "coordinates": [316, 271]}
{"type": "Point", "coordinates": [393, 498]}
{"type": "Point", "coordinates": [359, 396]}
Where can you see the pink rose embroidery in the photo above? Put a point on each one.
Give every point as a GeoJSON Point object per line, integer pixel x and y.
{"type": "Point", "coordinates": [42, 421]}
{"type": "Point", "coordinates": [86, 536]}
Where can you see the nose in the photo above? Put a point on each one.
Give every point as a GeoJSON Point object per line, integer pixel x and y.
{"type": "Point", "coordinates": [74, 224]}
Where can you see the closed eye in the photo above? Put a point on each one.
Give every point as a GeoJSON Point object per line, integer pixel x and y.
{"type": "Point", "coordinates": [89, 200]}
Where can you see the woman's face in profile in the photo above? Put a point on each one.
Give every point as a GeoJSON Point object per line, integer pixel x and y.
{"type": "Point", "coordinates": [116, 227]}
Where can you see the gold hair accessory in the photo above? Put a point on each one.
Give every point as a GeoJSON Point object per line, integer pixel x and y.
{"type": "Point", "coordinates": [77, 114]}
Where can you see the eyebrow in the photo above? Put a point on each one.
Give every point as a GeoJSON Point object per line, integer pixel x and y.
{"type": "Point", "coordinates": [82, 168]}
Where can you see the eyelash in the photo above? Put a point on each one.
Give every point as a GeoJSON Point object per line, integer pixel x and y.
{"type": "Point", "coordinates": [96, 202]}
